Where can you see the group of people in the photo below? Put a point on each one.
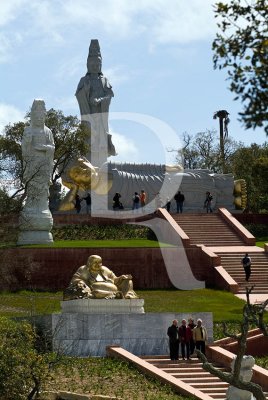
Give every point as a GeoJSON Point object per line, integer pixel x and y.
{"type": "Point", "coordinates": [188, 337]}
{"type": "Point", "coordinates": [78, 201]}
{"type": "Point", "coordinates": [138, 200]}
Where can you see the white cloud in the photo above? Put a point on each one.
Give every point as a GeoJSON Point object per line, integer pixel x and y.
{"type": "Point", "coordinates": [9, 114]}
{"type": "Point", "coordinates": [9, 10]}
{"type": "Point", "coordinates": [181, 21]}
{"type": "Point", "coordinates": [68, 105]}
{"type": "Point", "coordinates": [125, 148]}
{"type": "Point", "coordinates": [116, 75]}
{"type": "Point", "coordinates": [70, 68]}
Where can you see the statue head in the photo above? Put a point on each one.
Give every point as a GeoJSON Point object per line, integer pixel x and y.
{"type": "Point", "coordinates": [94, 60]}
{"type": "Point", "coordinates": [38, 113]}
{"type": "Point", "coordinates": [83, 174]}
{"type": "Point", "coordinates": [94, 65]}
{"type": "Point", "coordinates": [94, 263]}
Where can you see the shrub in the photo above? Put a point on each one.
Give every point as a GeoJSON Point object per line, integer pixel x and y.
{"type": "Point", "coordinates": [258, 230]}
{"type": "Point", "coordinates": [101, 232]}
{"type": "Point", "coordinates": [21, 367]}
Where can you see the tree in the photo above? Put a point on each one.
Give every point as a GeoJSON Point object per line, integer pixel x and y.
{"type": "Point", "coordinates": [252, 314]}
{"type": "Point", "coordinates": [250, 163]}
{"type": "Point", "coordinates": [70, 142]}
{"type": "Point", "coordinates": [203, 151]}
{"type": "Point", "coordinates": [242, 48]}
{"type": "Point", "coordinates": [224, 121]}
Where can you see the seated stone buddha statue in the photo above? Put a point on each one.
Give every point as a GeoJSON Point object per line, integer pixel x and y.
{"type": "Point", "coordinates": [96, 281]}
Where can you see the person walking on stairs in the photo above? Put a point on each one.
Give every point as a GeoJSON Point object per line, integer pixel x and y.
{"type": "Point", "coordinates": [246, 261]}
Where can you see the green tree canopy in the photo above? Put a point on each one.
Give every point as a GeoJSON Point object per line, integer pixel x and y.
{"type": "Point", "coordinates": [69, 136]}
{"type": "Point", "coordinates": [242, 48]}
{"type": "Point", "coordinates": [202, 150]}
{"type": "Point", "coordinates": [251, 164]}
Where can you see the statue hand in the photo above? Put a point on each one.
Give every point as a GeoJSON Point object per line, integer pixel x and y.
{"type": "Point", "coordinates": [126, 277]}
{"type": "Point", "coordinates": [95, 101]}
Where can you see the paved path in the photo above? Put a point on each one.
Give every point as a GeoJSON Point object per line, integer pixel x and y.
{"type": "Point", "coordinates": [254, 298]}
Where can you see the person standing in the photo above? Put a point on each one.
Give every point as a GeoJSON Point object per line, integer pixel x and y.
{"type": "Point", "coordinates": [116, 201]}
{"type": "Point", "coordinates": [136, 201]}
{"type": "Point", "coordinates": [185, 335]}
{"type": "Point", "coordinates": [208, 202]}
{"type": "Point", "coordinates": [179, 198]}
{"type": "Point", "coordinates": [200, 336]}
{"type": "Point", "coordinates": [88, 202]}
{"type": "Point", "coordinates": [143, 198]}
{"type": "Point", "coordinates": [173, 335]}
{"type": "Point", "coordinates": [191, 325]}
{"type": "Point", "coordinates": [246, 261]}
{"type": "Point", "coordinates": [77, 204]}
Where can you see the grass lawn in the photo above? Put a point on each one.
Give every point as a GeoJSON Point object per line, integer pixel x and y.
{"type": "Point", "coordinates": [223, 305]}
{"type": "Point", "coordinates": [101, 243]}
{"type": "Point", "coordinates": [108, 377]}
{"type": "Point", "coordinates": [261, 240]}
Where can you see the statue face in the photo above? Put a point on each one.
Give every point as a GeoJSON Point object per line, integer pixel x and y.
{"type": "Point", "coordinates": [38, 117]}
{"type": "Point", "coordinates": [95, 264]}
{"type": "Point", "coordinates": [94, 65]}
{"type": "Point", "coordinates": [80, 175]}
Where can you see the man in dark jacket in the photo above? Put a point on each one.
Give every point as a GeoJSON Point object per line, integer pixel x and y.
{"type": "Point", "coordinates": [173, 335]}
{"type": "Point", "coordinates": [246, 261]}
{"type": "Point", "coordinates": [179, 198]}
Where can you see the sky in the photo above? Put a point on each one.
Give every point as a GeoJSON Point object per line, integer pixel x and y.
{"type": "Point", "coordinates": [155, 53]}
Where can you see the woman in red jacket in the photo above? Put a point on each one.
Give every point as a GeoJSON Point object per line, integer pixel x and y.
{"type": "Point", "coordinates": [185, 336]}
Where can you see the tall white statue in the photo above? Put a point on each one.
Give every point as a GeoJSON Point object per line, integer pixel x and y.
{"type": "Point", "coordinates": [38, 155]}
{"type": "Point", "coordinates": [94, 94]}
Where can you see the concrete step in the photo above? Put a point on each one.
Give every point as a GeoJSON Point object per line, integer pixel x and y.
{"type": "Point", "coordinates": [209, 230]}
{"type": "Point", "coordinates": [231, 262]}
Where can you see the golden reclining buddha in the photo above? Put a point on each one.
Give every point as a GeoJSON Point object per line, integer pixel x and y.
{"type": "Point", "coordinates": [126, 179]}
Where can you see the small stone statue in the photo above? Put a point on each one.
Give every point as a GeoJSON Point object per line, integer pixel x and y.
{"type": "Point", "coordinates": [38, 155]}
{"type": "Point", "coordinates": [94, 94]}
{"type": "Point", "coordinates": [95, 281]}
{"type": "Point", "coordinates": [233, 393]}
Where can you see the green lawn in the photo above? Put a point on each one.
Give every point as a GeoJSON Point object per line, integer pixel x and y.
{"type": "Point", "coordinates": [102, 243]}
{"type": "Point", "coordinates": [260, 241]}
{"type": "Point", "coordinates": [223, 305]}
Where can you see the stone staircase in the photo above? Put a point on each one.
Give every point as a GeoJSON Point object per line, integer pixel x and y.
{"type": "Point", "coordinates": [208, 229]}
{"type": "Point", "coordinates": [192, 373]}
{"type": "Point", "coordinates": [188, 377]}
{"type": "Point", "coordinates": [231, 262]}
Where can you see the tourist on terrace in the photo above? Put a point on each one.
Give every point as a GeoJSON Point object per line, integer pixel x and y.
{"type": "Point", "coordinates": [185, 336]}
{"type": "Point", "coordinates": [179, 198]}
{"type": "Point", "coordinates": [200, 336]}
{"type": "Point", "coordinates": [173, 335]}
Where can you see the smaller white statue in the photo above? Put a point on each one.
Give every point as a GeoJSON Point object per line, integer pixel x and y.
{"type": "Point", "coordinates": [233, 393]}
{"type": "Point", "coordinates": [38, 155]}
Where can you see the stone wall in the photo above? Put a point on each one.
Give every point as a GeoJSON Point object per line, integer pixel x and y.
{"type": "Point", "coordinates": [56, 266]}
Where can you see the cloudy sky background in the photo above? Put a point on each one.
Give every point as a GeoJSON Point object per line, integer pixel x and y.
{"type": "Point", "coordinates": [156, 54]}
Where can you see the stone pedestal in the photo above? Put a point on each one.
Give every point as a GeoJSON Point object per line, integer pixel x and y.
{"type": "Point", "coordinates": [88, 334]}
{"type": "Point", "coordinates": [103, 306]}
{"type": "Point", "coordinates": [35, 227]}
